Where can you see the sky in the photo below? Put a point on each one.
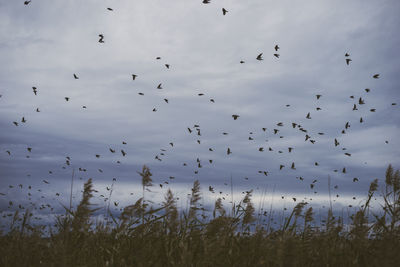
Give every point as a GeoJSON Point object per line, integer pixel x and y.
{"type": "Point", "coordinates": [43, 44]}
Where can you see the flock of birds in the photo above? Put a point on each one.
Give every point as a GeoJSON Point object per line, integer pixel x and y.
{"type": "Point", "coordinates": [309, 136]}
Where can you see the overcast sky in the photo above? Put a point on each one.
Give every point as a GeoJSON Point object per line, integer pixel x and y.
{"type": "Point", "coordinates": [44, 43]}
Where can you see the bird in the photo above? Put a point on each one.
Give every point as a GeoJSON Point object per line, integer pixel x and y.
{"type": "Point", "coordinates": [8, 152]}
{"type": "Point", "coordinates": [158, 58]}
{"type": "Point", "coordinates": [308, 115]}
{"type": "Point", "coordinates": [83, 106]}
{"type": "Point", "coordinates": [281, 167]}
{"type": "Point", "coordinates": [159, 86]}
{"type": "Point", "coordinates": [318, 96]}
{"type": "Point", "coordinates": [344, 170]}
{"type": "Point", "coordinates": [372, 110]}
{"type": "Point", "coordinates": [241, 62]}
{"type": "Point", "coordinates": [101, 38]}
{"type": "Point", "coordinates": [228, 151]}
{"type": "Point", "coordinates": [212, 100]}
{"type": "Point", "coordinates": [361, 120]}
{"type": "Point", "coordinates": [123, 153]}
{"type": "Point", "coordinates": [29, 149]}
{"type": "Point", "coordinates": [375, 76]}
{"type": "Point", "coordinates": [367, 90]}
{"type": "Point", "coordinates": [276, 47]}
{"type": "Point", "coordinates": [224, 11]}
{"type": "Point", "coordinates": [97, 156]}
{"type": "Point", "coordinates": [134, 76]}
{"type": "Point", "coordinates": [46, 182]}
{"type": "Point", "coordinates": [276, 55]}
{"type": "Point", "coordinates": [172, 144]}
{"type": "Point", "coordinates": [190, 130]}
{"type": "Point", "coordinates": [76, 77]}
{"type": "Point", "coordinates": [261, 149]}
{"type": "Point", "coordinates": [293, 167]}
{"type": "Point", "coordinates": [206, 1]}
{"type": "Point", "coordinates": [112, 150]}
{"type": "Point", "coordinates": [235, 117]}
{"type": "Point", "coordinates": [355, 107]}
{"type": "Point", "coordinates": [66, 98]}
{"type": "Point", "coordinates": [110, 9]}
{"type": "Point", "coordinates": [259, 57]}
{"type": "Point", "coordinates": [140, 93]}
{"type": "Point", "coordinates": [290, 149]}
{"type": "Point", "coordinates": [348, 61]}
{"type": "Point", "coordinates": [154, 109]}
{"type": "Point", "coordinates": [23, 120]}
{"type": "Point", "coordinates": [27, 2]}
{"type": "Point", "coordinates": [167, 66]}
{"type": "Point", "coordinates": [37, 110]}
{"type": "Point", "coordinates": [361, 101]}
{"type": "Point", "coordinates": [166, 100]}
{"type": "Point", "coordinates": [346, 55]}
{"type": "Point", "coordinates": [347, 154]}
{"type": "Point", "coordinates": [124, 143]}
{"type": "Point", "coordinates": [201, 94]}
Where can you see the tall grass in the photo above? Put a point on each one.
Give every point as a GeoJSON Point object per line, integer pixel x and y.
{"type": "Point", "coordinates": [144, 236]}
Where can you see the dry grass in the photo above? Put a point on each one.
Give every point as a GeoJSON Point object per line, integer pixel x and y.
{"type": "Point", "coordinates": [143, 236]}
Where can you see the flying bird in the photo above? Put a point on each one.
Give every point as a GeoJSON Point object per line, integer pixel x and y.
{"type": "Point", "coordinates": [101, 38]}
{"type": "Point", "coordinates": [228, 151]}
{"type": "Point", "coordinates": [134, 76]}
{"type": "Point", "coordinates": [66, 98]}
{"type": "Point", "coordinates": [224, 11]}
{"type": "Point", "coordinates": [235, 117]}
{"type": "Point", "coordinates": [376, 76]}
{"type": "Point", "coordinates": [109, 8]}
{"type": "Point", "coordinates": [123, 153]}
{"type": "Point", "coordinates": [348, 61]}
{"type": "Point", "coordinates": [276, 47]}
{"type": "Point", "coordinates": [27, 2]}
{"type": "Point", "coordinates": [159, 86]}
{"type": "Point", "coordinates": [276, 55]}
{"type": "Point", "coordinates": [206, 1]}
{"type": "Point", "coordinates": [167, 66]}
{"type": "Point", "coordinates": [76, 77]}
{"type": "Point", "coordinates": [259, 57]}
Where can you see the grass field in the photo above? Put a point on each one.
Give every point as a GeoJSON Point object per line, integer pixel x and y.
{"type": "Point", "coordinates": [144, 236]}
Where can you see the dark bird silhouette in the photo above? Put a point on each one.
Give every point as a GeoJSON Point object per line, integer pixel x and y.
{"type": "Point", "coordinates": [228, 151]}
{"type": "Point", "coordinates": [123, 142]}
{"type": "Point", "coordinates": [367, 90]}
{"type": "Point", "coordinates": [66, 98]}
{"type": "Point", "coordinates": [347, 154]}
{"type": "Point", "coordinates": [346, 55]}
{"type": "Point", "coordinates": [224, 11]}
{"type": "Point", "coordinates": [276, 55]}
{"type": "Point", "coordinates": [158, 58]}
{"type": "Point", "coordinates": [318, 96]}
{"type": "Point", "coordinates": [97, 156]}
{"type": "Point", "coordinates": [190, 130]}
{"type": "Point", "coordinates": [372, 110]}
{"type": "Point", "coordinates": [46, 182]}
{"type": "Point", "coordinates": [154, 109]}
{"type": "Point", "coordinates": [8, 152]}
{"type": "Point", "coordinates": [348, 61]}
{"type": "Point", "coordinates": [166, 100]}
{"type": "Point", "coordinates": [167, 66]}
{"type": "Point", "coordinates": [123, 153]}
{"type": "Point", "coordinates": [37, 110]}
{"type": "Point", "coordinates": [241, 62]}
{"type": "Point", "coordinates": [276, 47]}
{"type": "Point", "coordinates": [110, 9]}
{"type": "Point", "coordinates": [355, 179]}
{"type": "Point", "coordinates": [23, 120]}
{"type": "Point", "coordinates": [261, 149]}
{"type": "Point", "coordinates": [235, 117]}
{"type": "Point", "coordinates": [29, 149]}
{"type": "Point", "coordinates": [140, 93]}
{"type": "Point", "coordinates": [344, 170]}
{"type": "Point", "coordinates": [34, 90]}
{"type": "Point", "coordinates": [290, 149]}
{"type": "Point", "coordinates": [159, 86]}
{"type": "Point", "coordinates": [281, 167]}
{"type": "Point", "coordinates": [361, 120]}
{"type": "Point", "coordinates": [308, 115]}
{"type": "Point", "coordinates": [361, 101]}
{"type": "Point", "coordinates": [201, 94]}
{"type": "Point", "coordinates": [27, 2]}
{"type": "Point", "coordinates": [206, 1]}
{"type": "Point", "coordinates": [293, 167]}
{"type": "Point", "coordinates": [76, 77]}
{"type": "Point", "coordinates": [355, 107]}
{"type": "Point", "coordinates": [376, 76]}
{"type": "Point", "coordinates": [134, 76]}
{"type": "Point", "coordinates": [101, 40]}
{"type": "Point", "coordinates": [212, 100]}
{"type": "Point", "coordinates": [112, 150]}
{"type": "Point", "coordinates": [259, 57]}
{"type": "Point", "coordinates": [172, 144]}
